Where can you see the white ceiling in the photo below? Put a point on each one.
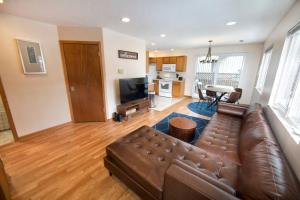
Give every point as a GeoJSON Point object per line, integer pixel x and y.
{"type": "Point", "coordinates": [187, 23]}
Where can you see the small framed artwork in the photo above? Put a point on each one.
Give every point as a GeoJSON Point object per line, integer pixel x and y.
{"type": "Point", "coordinates": [128, 55]}
{"type": "Point", "coordinates": [31, 57]}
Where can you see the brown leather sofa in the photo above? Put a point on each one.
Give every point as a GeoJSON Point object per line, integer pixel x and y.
{"type": "Point", "coordinates": [236, 157]}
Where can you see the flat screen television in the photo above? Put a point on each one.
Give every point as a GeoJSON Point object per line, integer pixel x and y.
{"type": "Point", "coordinates": [133, 89]}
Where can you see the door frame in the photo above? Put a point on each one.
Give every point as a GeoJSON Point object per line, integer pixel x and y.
{"type": "Point", "coordinates": [8, 112]}
{"type": "Point", "coordinates": [102, 73]}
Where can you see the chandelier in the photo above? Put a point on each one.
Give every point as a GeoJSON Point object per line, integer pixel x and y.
{"type": "Point", "coordinates": [209, 58]}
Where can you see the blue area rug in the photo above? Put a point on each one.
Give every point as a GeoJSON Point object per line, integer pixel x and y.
{"type": "Point", "coordinates": [201, 108]}
{"type": "Point", "coordinates": [163, 125]}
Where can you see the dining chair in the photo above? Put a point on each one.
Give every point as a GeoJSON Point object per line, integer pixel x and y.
{"type": "Point", "coordinates": [233, 97]}
{"type": "Point", "coordinates": [211, 94]}
{"type": "Point", "coordinates": [202, 98]}
{"type": "Point", "coordinates": [240, 90]}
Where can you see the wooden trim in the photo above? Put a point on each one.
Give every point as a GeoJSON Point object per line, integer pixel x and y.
{"type": "Point", "coordinates": [102, 71]}
{"type": "Point", "coordinates": [78, 42]}
{"type": "Point", "coordinates": [5, 192]}
{"type": "Point", "coordinates": [147, 61]}
{"type": "Point", "coordinates": [37, 133]}
{"type": "Point", "coordinates": [7, 110]}
{"type": "Point", "coordinates": [66, 79]}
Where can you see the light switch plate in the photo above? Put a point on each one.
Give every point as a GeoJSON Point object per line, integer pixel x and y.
{"type": "Point", "coordinates": [121, 71]}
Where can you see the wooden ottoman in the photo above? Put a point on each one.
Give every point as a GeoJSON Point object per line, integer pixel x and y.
{"type": "Point", "coordinates": [182, 128]}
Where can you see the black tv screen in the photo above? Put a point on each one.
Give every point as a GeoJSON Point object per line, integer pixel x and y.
{"type": "Point", "coordinates": [133, 89]}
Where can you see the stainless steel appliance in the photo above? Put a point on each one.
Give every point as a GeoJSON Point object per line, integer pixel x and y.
{"type": "Point", "coordinates": [169, 67]}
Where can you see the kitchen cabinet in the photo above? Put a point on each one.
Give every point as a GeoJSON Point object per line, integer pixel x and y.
{"type": "Point", "coordinates": [178, 88]}
{"type": "Point", "coordinates": [173, 60]}
{"type": "Point", "coordinates": [166, 60]}
{"type": "Point", "coordinates": [181, 63]}
{"type": "Point", "coordinates": [152, 60]}
{"type": "Point", "coordinates": [156, 86]}
{"type": "Point", "coordinates": [159, 62]}
{"type": "Point", "coordinates": [147, 61]}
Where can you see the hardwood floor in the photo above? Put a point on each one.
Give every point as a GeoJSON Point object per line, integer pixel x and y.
{"type": "Point", "coordinates": [67, 163]}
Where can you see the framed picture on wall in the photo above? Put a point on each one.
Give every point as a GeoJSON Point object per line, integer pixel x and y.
{"type": "Point", "coordinates": [31, 57]}
{"type": "Point", "coordinates": [128, 55]}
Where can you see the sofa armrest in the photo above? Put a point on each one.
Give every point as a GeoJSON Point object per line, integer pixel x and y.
{"type": "Point", "coordinates": [182, 183]}
{"type": "Point", "coordinates": [232, 109]}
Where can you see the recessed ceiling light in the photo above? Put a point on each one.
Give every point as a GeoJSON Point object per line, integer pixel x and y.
{"type": "Point", "coordinates": [162, 35]}
{"type": "Point", "coordinates": [124, 19]}
{"type": "Point", "coordinates": [171, 49]}
{"type": "Point", "coordinates": [1, 1]}
{"type": "Point", "coordinates": [231, 23]}
{"type": "Point", "coordinates": [153, 44]}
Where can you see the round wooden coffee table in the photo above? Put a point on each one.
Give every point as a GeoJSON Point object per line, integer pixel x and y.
{"type": "Point", "coordinates": [182, 128]}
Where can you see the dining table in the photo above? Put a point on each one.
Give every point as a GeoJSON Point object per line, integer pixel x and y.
{"type": "Point", "coordinates": [219, 89]}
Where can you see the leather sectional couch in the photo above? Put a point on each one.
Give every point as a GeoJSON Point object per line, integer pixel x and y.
{"type": "Point", "coordinates": [236, 157]}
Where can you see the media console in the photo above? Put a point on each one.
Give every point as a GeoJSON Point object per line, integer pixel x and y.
{"type": "Point", "coordinates": [133, 107]}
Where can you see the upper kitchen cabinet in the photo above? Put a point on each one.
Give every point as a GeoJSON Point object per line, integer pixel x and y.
{"type": "Point", "coordinates": [159, 63]}
{"type": "Point", "coordinates": [173, 60]}
{"type": "Point", "coordinates": [166, 60]}
{"type": "Point", "coordinates": [152, 60]}
{"type": "Point", "coordinates": [181, 63]}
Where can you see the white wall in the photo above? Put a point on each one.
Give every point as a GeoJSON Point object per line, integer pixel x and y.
{"type": "Point", "coordinates": [253, 55]}
{"type": "Point", "coordinates": [79, 33]}
{"type": "Point", "coordinates": [277, 38]}
{"type": "Point", "coordinates": [36, 101]}
{"type": "Point", "coordinates": [112, 42]}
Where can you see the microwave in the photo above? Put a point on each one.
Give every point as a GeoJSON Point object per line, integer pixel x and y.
{"type": "Point", "coordinates": [169, 67]}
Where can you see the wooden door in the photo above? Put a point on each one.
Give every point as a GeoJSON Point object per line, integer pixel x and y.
{"type": "Point", "coordinates": [181, 63]}
{"type": "Point", "coordinates": [159, 62]}
{"type": "Point", "coordinates": [4, 185]}
{"type": "Point", "coordinates": [83, 69]}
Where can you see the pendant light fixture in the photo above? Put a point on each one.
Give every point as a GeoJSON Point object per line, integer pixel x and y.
{"type": "Point", "coordinates": [209, 58]}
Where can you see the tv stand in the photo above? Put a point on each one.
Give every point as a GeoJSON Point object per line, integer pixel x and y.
{"type": "Point", "coordinates": [133, 107]}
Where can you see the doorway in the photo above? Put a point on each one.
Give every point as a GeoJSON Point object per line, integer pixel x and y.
{"type": "Point", "coordinates": [84, 79]}
{"type": "Point", "coordinates": [7, 128]}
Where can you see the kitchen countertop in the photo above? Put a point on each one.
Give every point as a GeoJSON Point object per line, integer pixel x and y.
{"type": "Point", "coordinates": [171, 80]}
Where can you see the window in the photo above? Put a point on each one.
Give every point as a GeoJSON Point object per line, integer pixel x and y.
{"type": "Point", "coordinates": [286, 92]}
{"type": "Point", "coordinates": [263, 70]}
{"type": "Point", "coordinates": [226, 71]}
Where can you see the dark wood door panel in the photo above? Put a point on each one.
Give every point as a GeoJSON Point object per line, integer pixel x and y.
{"type": "Point", "coordinates": [83, 68]}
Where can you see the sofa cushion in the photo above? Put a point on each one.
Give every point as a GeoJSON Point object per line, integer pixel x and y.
{"type": "Point", "coordinates": [214, 167]}
{"type": "Point", "coordinates": [255, 129]}
{"type": "Point", "coordinates": [221, 136]}
{"type": "Point", "coordinates": [145, 154]}
{"type": "Point", "coordinates": [264, 174]}
{"type": "Point", "coordinates": [255, 107]}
